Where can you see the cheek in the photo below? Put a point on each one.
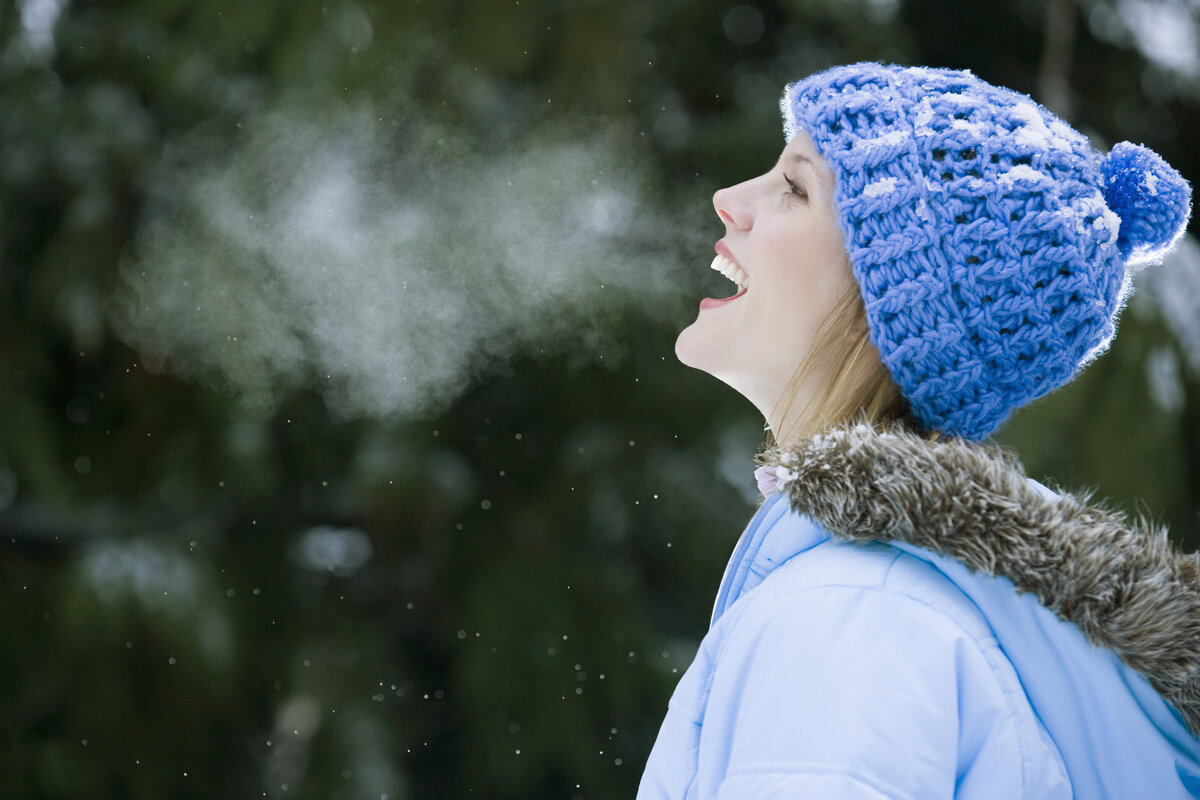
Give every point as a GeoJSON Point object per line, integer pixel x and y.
{"type": "Point", "coordinates": [802, 303]}
{"type": "Point", "coordinates": [812, 284]}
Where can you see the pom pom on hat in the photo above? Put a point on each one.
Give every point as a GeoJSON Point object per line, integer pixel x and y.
{"type": "Point", "coordinates": [1152, 200]}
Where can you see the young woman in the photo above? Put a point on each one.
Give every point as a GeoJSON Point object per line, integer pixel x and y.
{"type": "Point", "coordinates": [907, 615]}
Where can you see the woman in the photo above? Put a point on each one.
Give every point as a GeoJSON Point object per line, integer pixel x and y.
{"type": "Point", "coordinates": [907, 615]}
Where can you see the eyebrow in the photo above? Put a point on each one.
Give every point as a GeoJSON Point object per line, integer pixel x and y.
{"type": "Point", "coordinates": [797, 159]}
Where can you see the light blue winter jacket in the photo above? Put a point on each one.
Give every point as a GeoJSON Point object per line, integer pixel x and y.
{"type": "Point", "coordinates": [841, 667]}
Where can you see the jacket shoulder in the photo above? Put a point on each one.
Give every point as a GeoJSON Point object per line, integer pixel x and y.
{"type": "Point", "coordinates": [875, 567]}
{"type": "Point", "coordinates": [1121, 582]}
{"type": "Point", "coordinates": [888, 664]}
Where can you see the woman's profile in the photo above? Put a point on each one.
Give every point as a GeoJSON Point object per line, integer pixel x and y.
{"type": "Point", "coordinates": [907, 615]}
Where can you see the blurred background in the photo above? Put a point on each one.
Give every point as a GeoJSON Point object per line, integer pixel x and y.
{"type": "Point", "coordinates": [343, 452]}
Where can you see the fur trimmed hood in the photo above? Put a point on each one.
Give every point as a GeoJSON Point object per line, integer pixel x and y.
{"type": "Point", "coordinates": [1122, 584]}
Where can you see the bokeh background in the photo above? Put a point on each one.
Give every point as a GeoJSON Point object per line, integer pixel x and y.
{"type": "Point", "coordinates": [343, 453]}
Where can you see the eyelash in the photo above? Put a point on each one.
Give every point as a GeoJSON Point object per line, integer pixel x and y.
{"type": "Point", "coordinates": [795, 187]}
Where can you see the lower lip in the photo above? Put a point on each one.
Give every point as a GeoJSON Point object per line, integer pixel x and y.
{"type": "Point", "coordinates": [711, 302]}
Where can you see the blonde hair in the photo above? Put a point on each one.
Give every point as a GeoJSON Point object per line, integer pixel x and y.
{"type": "Point", "coordinates": [852, 381]}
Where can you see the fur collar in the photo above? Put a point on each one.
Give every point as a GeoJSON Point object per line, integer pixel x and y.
{"type": "Point", "coordinates": [1123, 585]}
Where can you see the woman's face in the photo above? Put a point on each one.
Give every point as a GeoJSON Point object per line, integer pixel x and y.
{"type": "Point", "coordinates": [784, 249]}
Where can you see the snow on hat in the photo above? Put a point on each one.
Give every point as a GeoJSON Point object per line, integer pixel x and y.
{"type": "Point", "coordinates": [991, 243]}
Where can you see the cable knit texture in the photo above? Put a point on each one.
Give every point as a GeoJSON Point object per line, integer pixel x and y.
{"type": "Point", "coordinates": [988, 238]}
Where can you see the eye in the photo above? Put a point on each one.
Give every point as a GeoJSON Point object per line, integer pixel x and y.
{"type": "Point", "coordinates": [795, 188]}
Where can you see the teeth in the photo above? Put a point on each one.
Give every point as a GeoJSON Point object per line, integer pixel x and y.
{"type": "Point", "coordinates": [731, 270]}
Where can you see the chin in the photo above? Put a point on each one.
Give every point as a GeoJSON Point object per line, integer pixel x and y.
{"type": "Point", "coordinates": [690, 349]}
{"type": "Point", "coordinates": [696, 350]}
{"type": "Point", "coordinates": [701, 349]}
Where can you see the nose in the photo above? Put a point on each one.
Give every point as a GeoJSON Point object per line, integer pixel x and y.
{"type": "Point", "coordinates": [732, 207]}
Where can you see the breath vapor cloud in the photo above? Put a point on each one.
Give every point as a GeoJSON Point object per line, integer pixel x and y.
{"type": "Point", "coordinates": [387, 262]}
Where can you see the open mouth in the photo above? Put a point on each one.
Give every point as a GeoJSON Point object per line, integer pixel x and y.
{"type": "Point", "coordinates": [726, 266]}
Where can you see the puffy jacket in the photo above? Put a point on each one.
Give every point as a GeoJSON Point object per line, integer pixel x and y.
{"type": "Point", "coordinates": [915, 619]}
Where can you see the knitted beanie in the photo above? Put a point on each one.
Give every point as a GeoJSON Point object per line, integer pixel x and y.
{"type": "Point", "coordinates": [990, 242]}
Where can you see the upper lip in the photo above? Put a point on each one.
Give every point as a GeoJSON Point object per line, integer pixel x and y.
{"type": "Point", "coordinates": [721, 248]}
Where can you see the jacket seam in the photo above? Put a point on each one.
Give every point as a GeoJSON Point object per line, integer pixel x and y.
{"type": "Point", "coordinates": [776, 597]}
{"type": "Point", "coordinates": [801, 769]}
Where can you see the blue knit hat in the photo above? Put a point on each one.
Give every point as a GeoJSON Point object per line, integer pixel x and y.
{"type": "Point", "coordinates": [990, 242]}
